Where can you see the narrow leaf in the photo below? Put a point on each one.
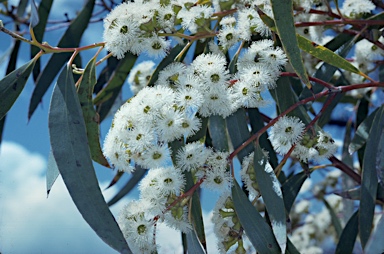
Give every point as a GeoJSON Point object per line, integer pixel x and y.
{"type": "Point", "coordinates": [258, 231]}
{"type": "Point", "coordinates": [218, 133]}
{"type": "Point", "coordinates": [34, 15]}
{"type": "Point", "coordinates": [52, 172]}
{"type": "Point", "coordinates": [272, 196]}
{"type": "Point", "coordinates": [71, 38]}
{"type": "Point", "coordinates": [376, 243]}
{"type": "Point", "coordinates": [70, 150]}
{"type": "Point", "coordinates": [193, 244]}
{"type": "Point", "coordinates": [291, 188]}
{"type": "Point", "coordinates": [362, 133]}
{"type": "Point", "coordinates": [91, 118]}
{"type": "Point", "coordinates": [38, 30]}
{"type": "Point", "coordinates": [283, 14]}
{"type": "Point", "coordinates": [238, 132]}
{"type": "Point", "coordinates": [106, 98]}
{"type": "Point", "coordinates": [137, 175]}
{"type": "Point", "coordinates": [335, 220]}
{"type": "Point", "coordinates": [115, 179]}
{"type": "Point", "coordinates": [348, 236]}
{"type": "Point", "coordinates": [369, 177]}
{"type": "Point", "coordinates": [291, 249]}
{"type": "Point", "coordinates": [12, 85]}
{"type": "Point", "coordinates": [326, 55]}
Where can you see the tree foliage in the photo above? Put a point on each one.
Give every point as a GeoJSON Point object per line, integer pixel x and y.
{"type": "Point", "coordinates": [201, 108]}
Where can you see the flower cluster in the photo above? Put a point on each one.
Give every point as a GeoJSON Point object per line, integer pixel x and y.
{"type": "Point", "coordinates": [142, 26]}
{"type": "Point", "coordinates": [287, 131]}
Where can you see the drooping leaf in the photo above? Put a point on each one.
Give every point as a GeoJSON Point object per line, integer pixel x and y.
{"type": "Point", "coordinates": [164, 63]}
{"type": "Point", "coordinates": [326, 55]}
{"type": "Point", "coordinates": [12, 85]}
{"type": "Point", "coordinates": [239, 133]}
{"type": "Point", "coordinates": [218, 133]}
{"type": "Point", "coordinates": [91, 118]}
{"type": "Point", "coordinates": [335, 220]}
{"type": "Point", "coordinates": [348, 236]}
{"type": "Point", "coordinates": [325, 117]}
{"type": "Point", "coordinates": [376, 243]}
{"type": "Point", "coordinates": [21, 7]}
{"type": "Point", "coordinates": [193, 243]}
{"type": "Point", "coordinates": [272, 196]}
{"type": "Point", "coordinates": [105, 99]}
{"type": "Point", "coordinates": [362, 133]}
{"type": "Point", "coordinates": [291, 249]}
{"type": "Point", "coordinates": [115, 179]}
{"type": "Point", "coordinates": [258, 231]}
{"type": "Point", "coordinates": [38, 30]}
{"type": "Point", "coordinates": [286, 97]}
{"type": "Point", "coordinates": [369, 179]}
{"type": "Point", "coordinates": [291, 188]}
{"type": "Point", "coordinates": [34, 15]}
{"type": "Point", "coordinates": [196, 211]}
{"type": "Point", "coordinates": [257, 123]}
{"type": "Point", "coordinates": [52, 172]}
{"type": "Point", "coordinates": [70, 151]}
{"type": "Point", "coordinates": [137, 175]}
{"type": "Point", "coordinates": [71, 38]}
{"type": "Point", "coordinates": [283, 15]}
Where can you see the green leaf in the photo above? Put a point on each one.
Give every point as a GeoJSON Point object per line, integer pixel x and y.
{"type": "Point", "coordinates": [218, 133]}
{"type": "Point", "coordinates": [21, 8]}
{"type": "Point", "coordinates": [195, 210]}
{"type": "Point", "coordinates": [285, 97]}
{"type": "Point", "coordinates": [362, 133]}
{"type": "Point", "coordinates": [291, 249]}
{"type": "Point", "coordinates": [239, 133]}
{"type": "Point", "coordinates": [335, 220]}
{"type": "Point", "coordinates": [106, 98]}
{"type": "Point", "coordinates": [165, 62]}
{"type": "Point", "coordinates": [326, 55]}
{"type": "Point", "coordinates": [38, 30]}
{"type": "Point", "coordinates": [115, 179]}
{"type": "Point", "coordinates": [348, 236]}
{"type": "Point", "coordinates": [283, 14]}
{"type": "Point", "coordinates": [272, 196]}
{"type": "Point", "coordinates": [52, 172]}
{"type": "Point", "coordinates": [193, 244]}
{"type": "Point", "coordinates": [257, 123]}
{"type": "Point", "coordinates": [91, 118]}
{"type": "Point", "coordinates": [34, 15]}
{"type": "Point", "coordinates": [258, 231]}
{"type": "Point", "coordinates": [70, 150]}
{"type": "Point", "coordinates": [71, 38]}
{"type": "Point", "coordinates": [291, 188]}
{"type": "Point", "coordinates": [376, 243]}
{"type": "Point", "coordinates": [325, 116]}
{"type": "Point", "coordinates": [12, 85]}
{"type": "Point", "coordinates": [137, 175]}
{"type": "Point", "coordinates": [369, 177]}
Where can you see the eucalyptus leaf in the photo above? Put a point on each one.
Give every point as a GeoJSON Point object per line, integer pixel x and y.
{"type": "Point", "coordinates": [376, 243]}
{"type": "Point", "coordinates": [348, 236]}
{"type": "Point", "coordinates": [193, 244]}
{"type": "Point", "coordinates": [91, 118]}
{"type": "Point", "coordinates": [71, 38]}
{"type": "Point", "coordinates": [12, 85]}
{"type": "Point", "coordinates": [369, 182]}
{"type": "Point", "coordinates": [52, 172]}
{"type": "Point", "coordinates": [258, 231]}
{"type": "Point", "coordinates": [272, 196]}
{"type": "Point", "coordinates": [70, 151]}
{"type": "Point", "coordinates": [34, 15]}
{"type": "Point", "coordinates": [283, 14]}
{"type": "Point", "coordinates": [218, 133]}
{"type": "Point", "coordinates": [291, 188]}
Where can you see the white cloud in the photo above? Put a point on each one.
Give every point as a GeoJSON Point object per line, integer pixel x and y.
{"type": "Point", "coordinates": [32, 223]}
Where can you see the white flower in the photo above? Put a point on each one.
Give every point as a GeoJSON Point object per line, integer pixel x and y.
{"type": "Point", "coordinates": [325, 146]}
{"type": "Point", "coordinates": [140, 75]}
{"type": "Point", "coordinates": [190, 125]}
{"type": "Point", "coordinates": [217, 179]}
{"type": "Point", "coordinates": [248, 176]}
{"type": "Point", "coordinates": [228, 36]}
{"type": "Point", "coordinates": [286, 132]}
{"type": "Point", "coordinates": [156, 156]}
{"type": "Point", "coordinates": [191, 156]}
{"type": "Point", "coordinates": [162, 182]}
{"type": "Point", "coordinates": [217, 102]}
{"type": "Point", "coordinates": [177, 218]}
{"type": "Point", "coordinates": [189, 98]}
{"type": "Point", "coordinates": [170, 74]}
{"type": "Point", "coordinates": [156, 46]}
{"type": "Point", "coordinates": [354, 8]}
{"type": "Point", "coordinates": [168, 125]}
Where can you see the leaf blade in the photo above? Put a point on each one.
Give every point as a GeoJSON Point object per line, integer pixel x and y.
{"type": "Point", "coordinates": [283, 15]}
{"type": "Point", "coordinates": [257, 229]}
{"type": "Point", "coordinates": [71, 153]}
